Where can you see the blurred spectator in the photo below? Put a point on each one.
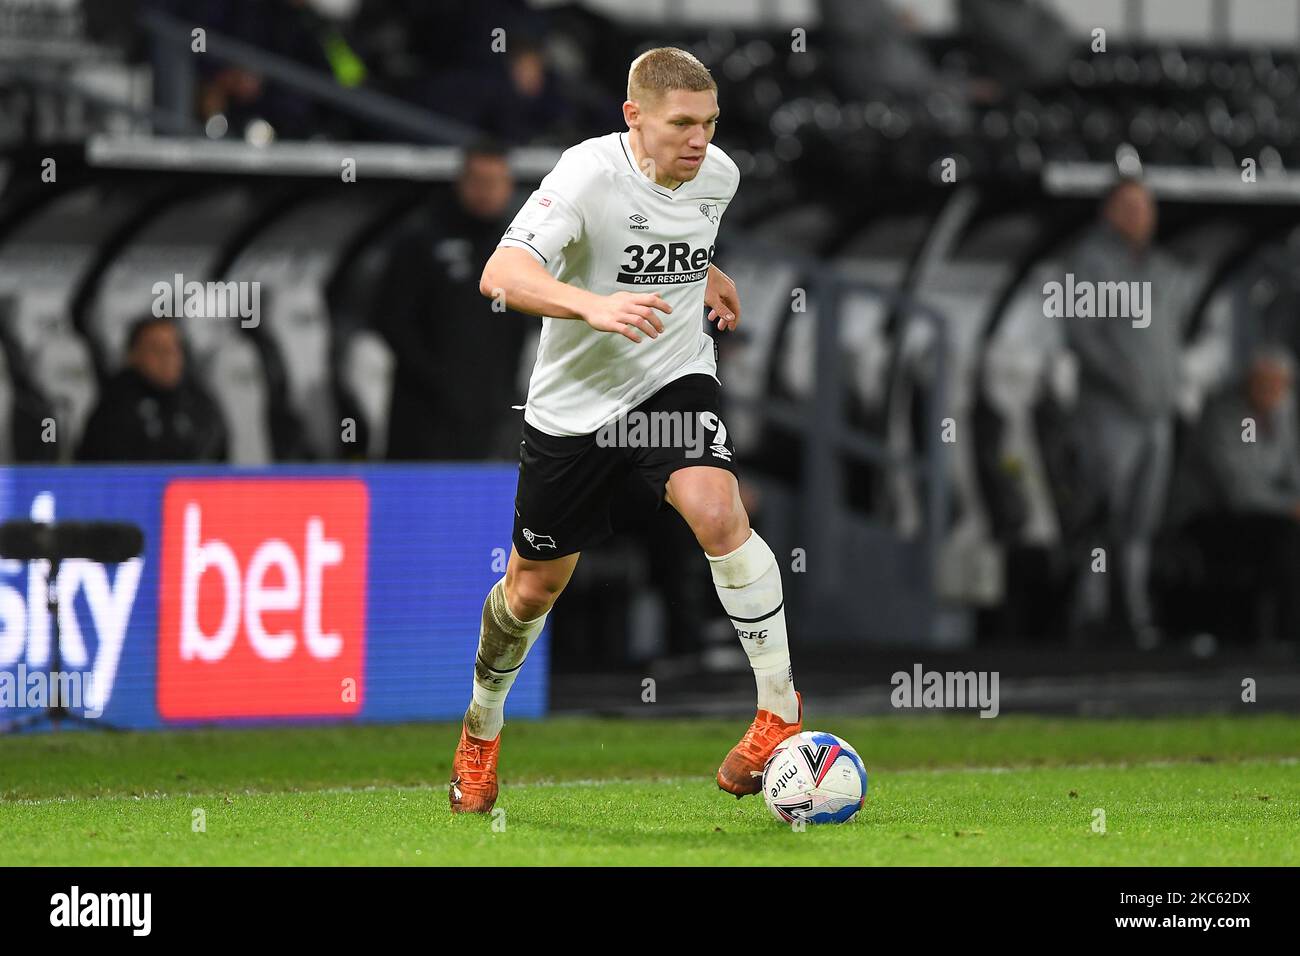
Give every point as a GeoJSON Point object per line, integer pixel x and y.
{"type": "Point", "coordinates": [150, 411]}
{"type": "Point", "coordinates": [457, 359]}
{"type": "Point", "coordinates": [1022, 43]}
{"type": "Point", "coordinates": [875, 52]}
{"type": "Point", "coordinates": [515, 96]}
{"type": "Point", "coordinates": [485, 64]}
{"type": "Point", "coordinates": [1238, 489]}
{"type": "Point", "coordinates": [1129, 379]}
{"type": "Point", "coordinates": [408, 39]}
{"type": "Point", "coordinates": [291, 29]}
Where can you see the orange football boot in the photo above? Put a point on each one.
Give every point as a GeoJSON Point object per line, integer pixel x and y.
{"type": "Point", "coordinates": [742, 772]}
{"type": "Point", "coordinates": [473, 787]}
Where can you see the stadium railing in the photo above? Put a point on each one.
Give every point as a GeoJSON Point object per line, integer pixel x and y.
{"type": "Point", "coordinates": [176, 83]}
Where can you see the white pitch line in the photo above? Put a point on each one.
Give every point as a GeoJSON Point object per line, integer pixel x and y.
{"type": "Point", "coordinates": [608, 781]}
{"type": "Point", "coordinates": [369, 788]}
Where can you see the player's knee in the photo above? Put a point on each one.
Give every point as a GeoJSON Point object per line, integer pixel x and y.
{"type": "Point", "coordinates": [720, 525]}
{"type": "Point", "coordinates": [531, 594]}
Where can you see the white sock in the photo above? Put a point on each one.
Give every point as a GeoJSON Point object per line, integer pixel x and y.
{"type": "Point", "coordinates": [503, 643]}
{"type": "Point", "coordinates": [748, 581]}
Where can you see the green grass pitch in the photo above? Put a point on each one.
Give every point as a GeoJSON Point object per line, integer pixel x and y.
{"type": "Point", "coordinates": [945, 790]}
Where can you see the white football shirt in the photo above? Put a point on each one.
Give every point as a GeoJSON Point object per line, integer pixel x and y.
{"type": "Point", "coordinates": [596, 222]}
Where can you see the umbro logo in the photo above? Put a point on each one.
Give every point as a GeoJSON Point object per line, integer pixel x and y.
{"type": "Point", "coordinates": [638, 221]}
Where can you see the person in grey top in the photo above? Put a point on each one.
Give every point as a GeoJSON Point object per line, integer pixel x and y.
{"type": "Point", "coordinates": [1237, 496]}
{"type": "Point", "coordinates": [1244, 455]}
{"type": "Point", "coordinates": [1124, 314]}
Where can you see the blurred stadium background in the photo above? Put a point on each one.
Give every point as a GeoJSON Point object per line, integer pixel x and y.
{"type": "Point", "coordinates": [937, 455]}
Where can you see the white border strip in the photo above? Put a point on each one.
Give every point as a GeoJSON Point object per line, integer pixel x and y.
{"type": "Point", "coordinates": [325, 159]}
{"type": "Point", "coordinates": [1185, 183]}
{"type": "Point", "coordinates": [642, 781]}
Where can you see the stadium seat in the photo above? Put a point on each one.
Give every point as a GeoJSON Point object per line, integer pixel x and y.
{"type": "Point", "coordinates": [293, 261]}
{"type": "Point", "coordinates": [963, 285]}
{"type": "Point", "coordinates": [366, 369]}
{"type": "Point", "coordinates": [6, 411]}
{"type": "Point", "coordinates": [48, 256]}
{"type": "Point", "coordinates": [188, 238]}
{"type": "Point", "coordinates": [1024, 355]}
{"type": "Point", "coordinates": [56, 368]}
{"type": "Point", "coordinates": [748, 358]}
{"type": "Point", "coordinates": [232, 371]}
{"type": "Point", "coordinates": [63, 370]}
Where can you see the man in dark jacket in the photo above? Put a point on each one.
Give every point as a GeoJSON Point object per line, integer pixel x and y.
{"type": "Point", "coordinates": [457, 358]}
{"type": "Point", "coordinates": [150, 411]}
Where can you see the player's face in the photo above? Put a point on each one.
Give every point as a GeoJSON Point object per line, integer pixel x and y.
{"type": "Point", "coordinates": [675, 131]}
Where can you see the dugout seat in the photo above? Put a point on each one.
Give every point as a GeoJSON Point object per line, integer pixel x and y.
{"type": "Point", "coordinates": [64, 372]}
{"type": "Point", "coordinates": [6, 411]}
{"type": "Point", "coordinates": [188, 238]}
{"type": "Point", "coordinates": [294, 261]}
{"type": "Point", "coordinates": [366, 369]}
{"type": "Point", "coordinates": [747, 358]}
{"type": "Point", "coordinates": [45, 259]}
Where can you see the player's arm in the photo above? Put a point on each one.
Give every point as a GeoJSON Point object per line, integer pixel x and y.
{"type": "Point", "coordinates": [723, 300]}
{"type": "Point", "coordinates": [526, 286]}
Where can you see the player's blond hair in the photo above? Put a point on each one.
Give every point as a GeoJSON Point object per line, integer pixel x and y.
{"type": "Point", "coordinates": [665, 68]}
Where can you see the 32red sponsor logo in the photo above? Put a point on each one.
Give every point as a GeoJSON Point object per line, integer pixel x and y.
{"type": "Point", "coordinates": [262, 609]}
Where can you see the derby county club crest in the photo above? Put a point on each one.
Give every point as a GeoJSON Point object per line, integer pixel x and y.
{"type": "Point", "coordinates": [710, 211]}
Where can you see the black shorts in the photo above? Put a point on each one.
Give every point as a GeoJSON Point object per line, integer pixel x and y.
{"type": "Point", "coordinates": [575, 491]}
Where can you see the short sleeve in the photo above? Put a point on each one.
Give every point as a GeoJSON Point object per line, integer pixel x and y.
{"type": "Point", "coordinates": [553, 215]}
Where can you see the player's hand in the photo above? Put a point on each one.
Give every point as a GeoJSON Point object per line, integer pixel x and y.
{"type": "Point", "coordinates": [723, 300]}
{"type": "Point", "coordinates": [628, 313]}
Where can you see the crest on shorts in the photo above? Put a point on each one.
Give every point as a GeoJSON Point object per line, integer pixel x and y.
{"type": "Point", "coordinates": [539, 541]}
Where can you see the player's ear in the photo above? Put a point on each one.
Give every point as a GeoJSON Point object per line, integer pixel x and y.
{"type": "Point", "coordinates": [631, 113]}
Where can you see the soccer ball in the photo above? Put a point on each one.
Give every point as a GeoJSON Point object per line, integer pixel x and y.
{"type": "Point", "coordinates": [814, 777]}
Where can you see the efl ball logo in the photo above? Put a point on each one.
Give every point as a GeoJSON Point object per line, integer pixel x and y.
{"type": "Point", "coordinates": [262, 608]}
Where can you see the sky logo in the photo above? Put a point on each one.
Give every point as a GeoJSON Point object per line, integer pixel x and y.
{"type": "Point", "coordinates": [107, 594]}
